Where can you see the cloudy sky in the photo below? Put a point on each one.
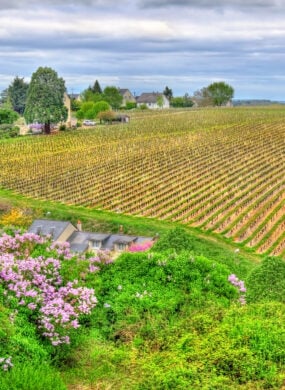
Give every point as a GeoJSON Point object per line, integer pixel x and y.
{"type": "Point", "coordinates": [145, 45]}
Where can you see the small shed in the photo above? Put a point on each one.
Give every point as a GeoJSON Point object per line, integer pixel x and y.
{"type": "Point", "coordinates": [123, 118]}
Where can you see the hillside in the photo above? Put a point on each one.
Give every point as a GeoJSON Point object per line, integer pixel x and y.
{"type": "Point", "coordinates": [219, 170]}
{"type": "Point", "coordinates": [164, 319]}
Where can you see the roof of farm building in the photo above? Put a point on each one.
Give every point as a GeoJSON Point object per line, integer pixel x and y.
{"type": "Point", "coordinates": [79, 240]}
{"type": "Point", "coordinates": [147, 97]}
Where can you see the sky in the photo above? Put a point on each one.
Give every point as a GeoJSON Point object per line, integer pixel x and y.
{"type": "Point", "coordinates": [146, 45]}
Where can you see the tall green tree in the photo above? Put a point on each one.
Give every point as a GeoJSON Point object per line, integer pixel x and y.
{"type": "Point", "coordinates": [96, 87]}
{"type": "Point", "coordinates": [113, 97]}
{"type": "Point", "coordinates": [45, 100]}
{"type": "Point", "coordinates": [220, 92]}
{"type": "Point", "coordinates": [4, 97]}
{"type": "Point", "coordinates": [17, 94]}
{"type": "Point", "coordinates": [168, 93]}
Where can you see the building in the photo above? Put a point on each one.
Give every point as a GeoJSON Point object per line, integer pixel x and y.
{"type": "Point", "coordinates": [153, 100]}
{"type": "Point", "coordinates": [82, 241]}
{"type": "Point", "coordinates": [127, 96]}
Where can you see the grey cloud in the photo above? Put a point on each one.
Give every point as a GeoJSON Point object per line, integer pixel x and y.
{"type": "Point", "coordinates": [20, 4]}
{"type": "Point", "coordinates": [210, 3]}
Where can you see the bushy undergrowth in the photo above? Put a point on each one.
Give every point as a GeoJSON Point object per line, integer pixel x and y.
{"type": "Point", "coordinates": [167, 318]}
{"type": "Point", "coordinates": [267, 281]}
{"type": "Point", "coordinates": [184, 326]}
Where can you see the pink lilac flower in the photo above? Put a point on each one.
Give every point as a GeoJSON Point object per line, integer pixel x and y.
{"type": "Point", "coordinates": [239, 284]}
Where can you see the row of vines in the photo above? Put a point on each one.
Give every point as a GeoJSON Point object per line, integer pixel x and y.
{"type": "Point", "coordinates": [219, 169]}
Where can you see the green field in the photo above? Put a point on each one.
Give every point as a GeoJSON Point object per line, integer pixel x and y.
{"type": "Point", "coordinates": [220, 170]}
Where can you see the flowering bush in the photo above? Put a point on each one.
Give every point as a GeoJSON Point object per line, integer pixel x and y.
{"type": "Point", "coordinates": [144, 246]}
{"type": "Point", "coordinates": [5, 363]}
{"type": "Point", "coordinates": [36, 283]}
{"type": "Point", "coordinates": [16, 217]}
{"type": "Point", "coordinates": [239, 284]}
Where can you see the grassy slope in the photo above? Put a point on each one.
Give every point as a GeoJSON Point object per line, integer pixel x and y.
{"type": "Point", "coordinates": [207, 244]}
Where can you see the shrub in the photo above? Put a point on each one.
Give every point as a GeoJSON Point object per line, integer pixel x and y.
{"type": "Point", "coordinates": [131, 105]}
{"type": "Point", "coordinates": [143, 106]}
{"type": "Point", "coordinates": [267, 281]}
{"type": "Point", "coordinates": [9, 131]}
{"type": "Point", "coordinates": [8, 116]}
{"type": "Point", "coordinates": [106, 116]}
{"type": "Point", "coordinates": [16, 217]}
{"type": "Point", "coordinates": [176, 239]}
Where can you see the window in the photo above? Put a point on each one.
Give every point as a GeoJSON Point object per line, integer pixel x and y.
{"type": "Point", "coordinates": [39, 230]}
{"type": "Point", "coordinates": [121, 246]}
{"type": "Point", "coordinates": [52, 231]}
{"type": "Point", "coordinates": [96, 244]}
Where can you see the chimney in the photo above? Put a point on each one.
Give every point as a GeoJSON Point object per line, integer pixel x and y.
{"type": "Point", "coordinates": [121, 229]}
{"type": "Point", "coordinates": [79, 226]}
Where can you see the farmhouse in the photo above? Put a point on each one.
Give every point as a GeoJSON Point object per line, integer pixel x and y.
{"type": "Point", "coordinates": [127, 96]}
{"type": "Point", "coordinates": [81, 241]}
{"type": "Point", "coordinates": [153, 100]}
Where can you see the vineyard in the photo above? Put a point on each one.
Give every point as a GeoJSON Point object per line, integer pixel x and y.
{"type": "Point", "coordinates": [221, 170]}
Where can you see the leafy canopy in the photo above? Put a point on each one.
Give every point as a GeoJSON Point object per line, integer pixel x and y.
{"type": "Point", "coordinates": [90, 110]}
{"type": "Point", "coordinates": [45, 101]}
{"type": "Point", "coordinates": [17, 94]}
{"type": "Point", "coordinates": [220, 92]}
{"type": "Point", "coordinates": [113, 97]}
{"type": "Point", "coordinates": [8, 116]}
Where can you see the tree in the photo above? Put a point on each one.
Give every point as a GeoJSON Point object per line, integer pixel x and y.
{"type": "Point", "coordinates": [87, 95]}
{"type": "Point", "coordinates": [113, 97]}
{"type": "Point", "coordinates": [168, 93]}
{"type": "Point", "coordinates": [45, 100]}
{"type": "Point", "coordinates": [97, 88]}
{"type": "Point", "coordinates": [17, 94]}
{"type": "Point", "coordinates": [89, 110]}
{"type": "Point", "coordinates": [8, 116]}
{"type": "Point", "coordinates": [182, 101]}
{"type": "Point", "coordinates": [203, 98]}
{"type": "Point", "coordinates": [4, 97]}
{"type": "Point", "coordinates": [160, 101]}
{"type": "Point", "coordinates": [106, 116]}
{"type": "Point", "coordinates": [220, 92]}
{"type": "Point", "coordinates": [101, 106]}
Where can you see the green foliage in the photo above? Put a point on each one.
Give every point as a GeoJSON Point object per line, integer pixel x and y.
{"type": "Point", "coordinates": [96, 89]}
{"type": "Point", "coordinates": [113, 97]}
{"type": "Point", "coordinates": [220, 92]}
{"type": "Point", "coordinates": [267, 281]}
{"type": "Point", "coordinates": [4, 100]}
{"type": "Point", "coordinates": [131, 105]}
{"type": "Point", "coordinates": [168, 93]}
{"type": "Point", "coordinates": [159, 101]}
{"type": "Point", "coordinates": [106, 116]}
{"type": "Point", "coordinates": [45, 102]}
{"type": "Point", "coordinates": [172, 315]}
{"type": "Point", "coordinates": [75, 104]}
{"type": "Point", "coordinates": [181, 101]}
{"type": "Point", "coordinates": [31, 376]}
{"type": "Point", "coordinates": [90, 110]}
{"type": "Point", "coordinates": [101, 106]}
{"type": "Point", "coordinates": [140, 285]}
{"type": "Point", "coordinates": [176, 239]}
{"type": "Point", "coordinates": [8, 116]}
{"type": "Point", "coordinates": [17, 94]}
{"type": "Point", "coordinates": [9, 131]}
